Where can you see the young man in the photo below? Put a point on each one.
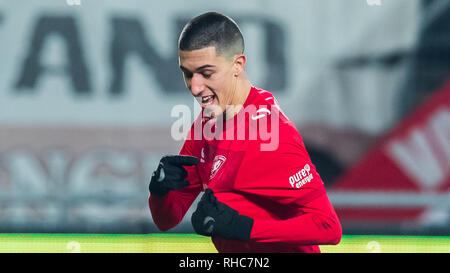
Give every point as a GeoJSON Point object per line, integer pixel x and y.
{"type": "Point", "coordinates": [261, 194]}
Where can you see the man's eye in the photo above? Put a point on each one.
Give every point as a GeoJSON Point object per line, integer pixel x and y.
{"type": "Point", "coordinates": [207, 75]}
{"type": "Point", "coordinates": [188, 75]}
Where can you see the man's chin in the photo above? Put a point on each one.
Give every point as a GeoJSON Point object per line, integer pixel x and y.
{"type": "Point", "coordinates": [212, 110]}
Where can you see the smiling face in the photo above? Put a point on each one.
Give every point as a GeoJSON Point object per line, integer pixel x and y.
{"type": "Point", "coordinates": [211, 78]}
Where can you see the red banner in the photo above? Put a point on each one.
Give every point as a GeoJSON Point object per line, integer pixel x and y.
{"type": "Point", "coordinates": [405, 177]}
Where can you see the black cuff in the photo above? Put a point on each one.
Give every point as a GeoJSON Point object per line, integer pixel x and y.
{"type": "Point", "coordinates": [157, 188]}
{"type": "Point", "coordinates": [242, 228]}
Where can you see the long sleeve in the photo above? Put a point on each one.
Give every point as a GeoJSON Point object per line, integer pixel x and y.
{"type": "Point", "coordinates": [318, 224]}
{"type": "Point", "coordinates": [286, 183]}
{"type": "Point", "coordinates": [168, 211]}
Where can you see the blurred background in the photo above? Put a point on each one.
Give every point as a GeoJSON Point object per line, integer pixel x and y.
{"type": "Point", "coordinates": [87, 88]}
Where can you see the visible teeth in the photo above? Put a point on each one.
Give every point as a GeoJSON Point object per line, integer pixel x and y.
{"type": "Point", "coordinates": [207, 99]}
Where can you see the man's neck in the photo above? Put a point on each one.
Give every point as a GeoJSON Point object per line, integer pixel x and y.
{"type": "Point", "coordinates": [242, 91]}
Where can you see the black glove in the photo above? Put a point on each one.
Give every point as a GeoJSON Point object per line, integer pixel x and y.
{"type": "Point", "coordinates": [170, 174]}
{"type": "Point", "coordinates": [214, 218]}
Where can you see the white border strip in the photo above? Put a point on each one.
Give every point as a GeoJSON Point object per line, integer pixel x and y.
{"type": "Point", "coordinates": [398, 199]}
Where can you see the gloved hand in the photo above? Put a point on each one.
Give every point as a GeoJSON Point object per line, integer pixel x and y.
{"type": "Point", "coordinates": [170, 174]}
{"type": "Point", "coordinates": [214, 218]}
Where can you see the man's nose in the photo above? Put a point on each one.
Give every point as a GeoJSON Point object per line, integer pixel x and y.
{"type": "Point", "coordinates": [197, 84]}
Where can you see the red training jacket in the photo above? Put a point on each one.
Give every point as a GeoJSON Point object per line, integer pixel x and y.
{"type": "Point", "coordinates": [257, 164]}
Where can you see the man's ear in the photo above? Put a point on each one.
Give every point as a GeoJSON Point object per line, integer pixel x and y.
{"type": "Point", "coordinates": [239, 64]}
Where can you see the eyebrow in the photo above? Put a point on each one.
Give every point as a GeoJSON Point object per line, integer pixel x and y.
{"type": "Point", "coordinates": [198, 68]}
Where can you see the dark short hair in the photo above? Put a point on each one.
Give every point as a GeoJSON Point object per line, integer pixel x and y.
{"type": "Point", "coordinates": [212, 29]}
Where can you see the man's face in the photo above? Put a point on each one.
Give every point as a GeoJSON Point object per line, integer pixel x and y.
{"type": "Point", "coordinates": [210, 78]}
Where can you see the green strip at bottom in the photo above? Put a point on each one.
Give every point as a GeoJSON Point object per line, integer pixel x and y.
{"type": "Point", "coordinates": [190, 243]}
